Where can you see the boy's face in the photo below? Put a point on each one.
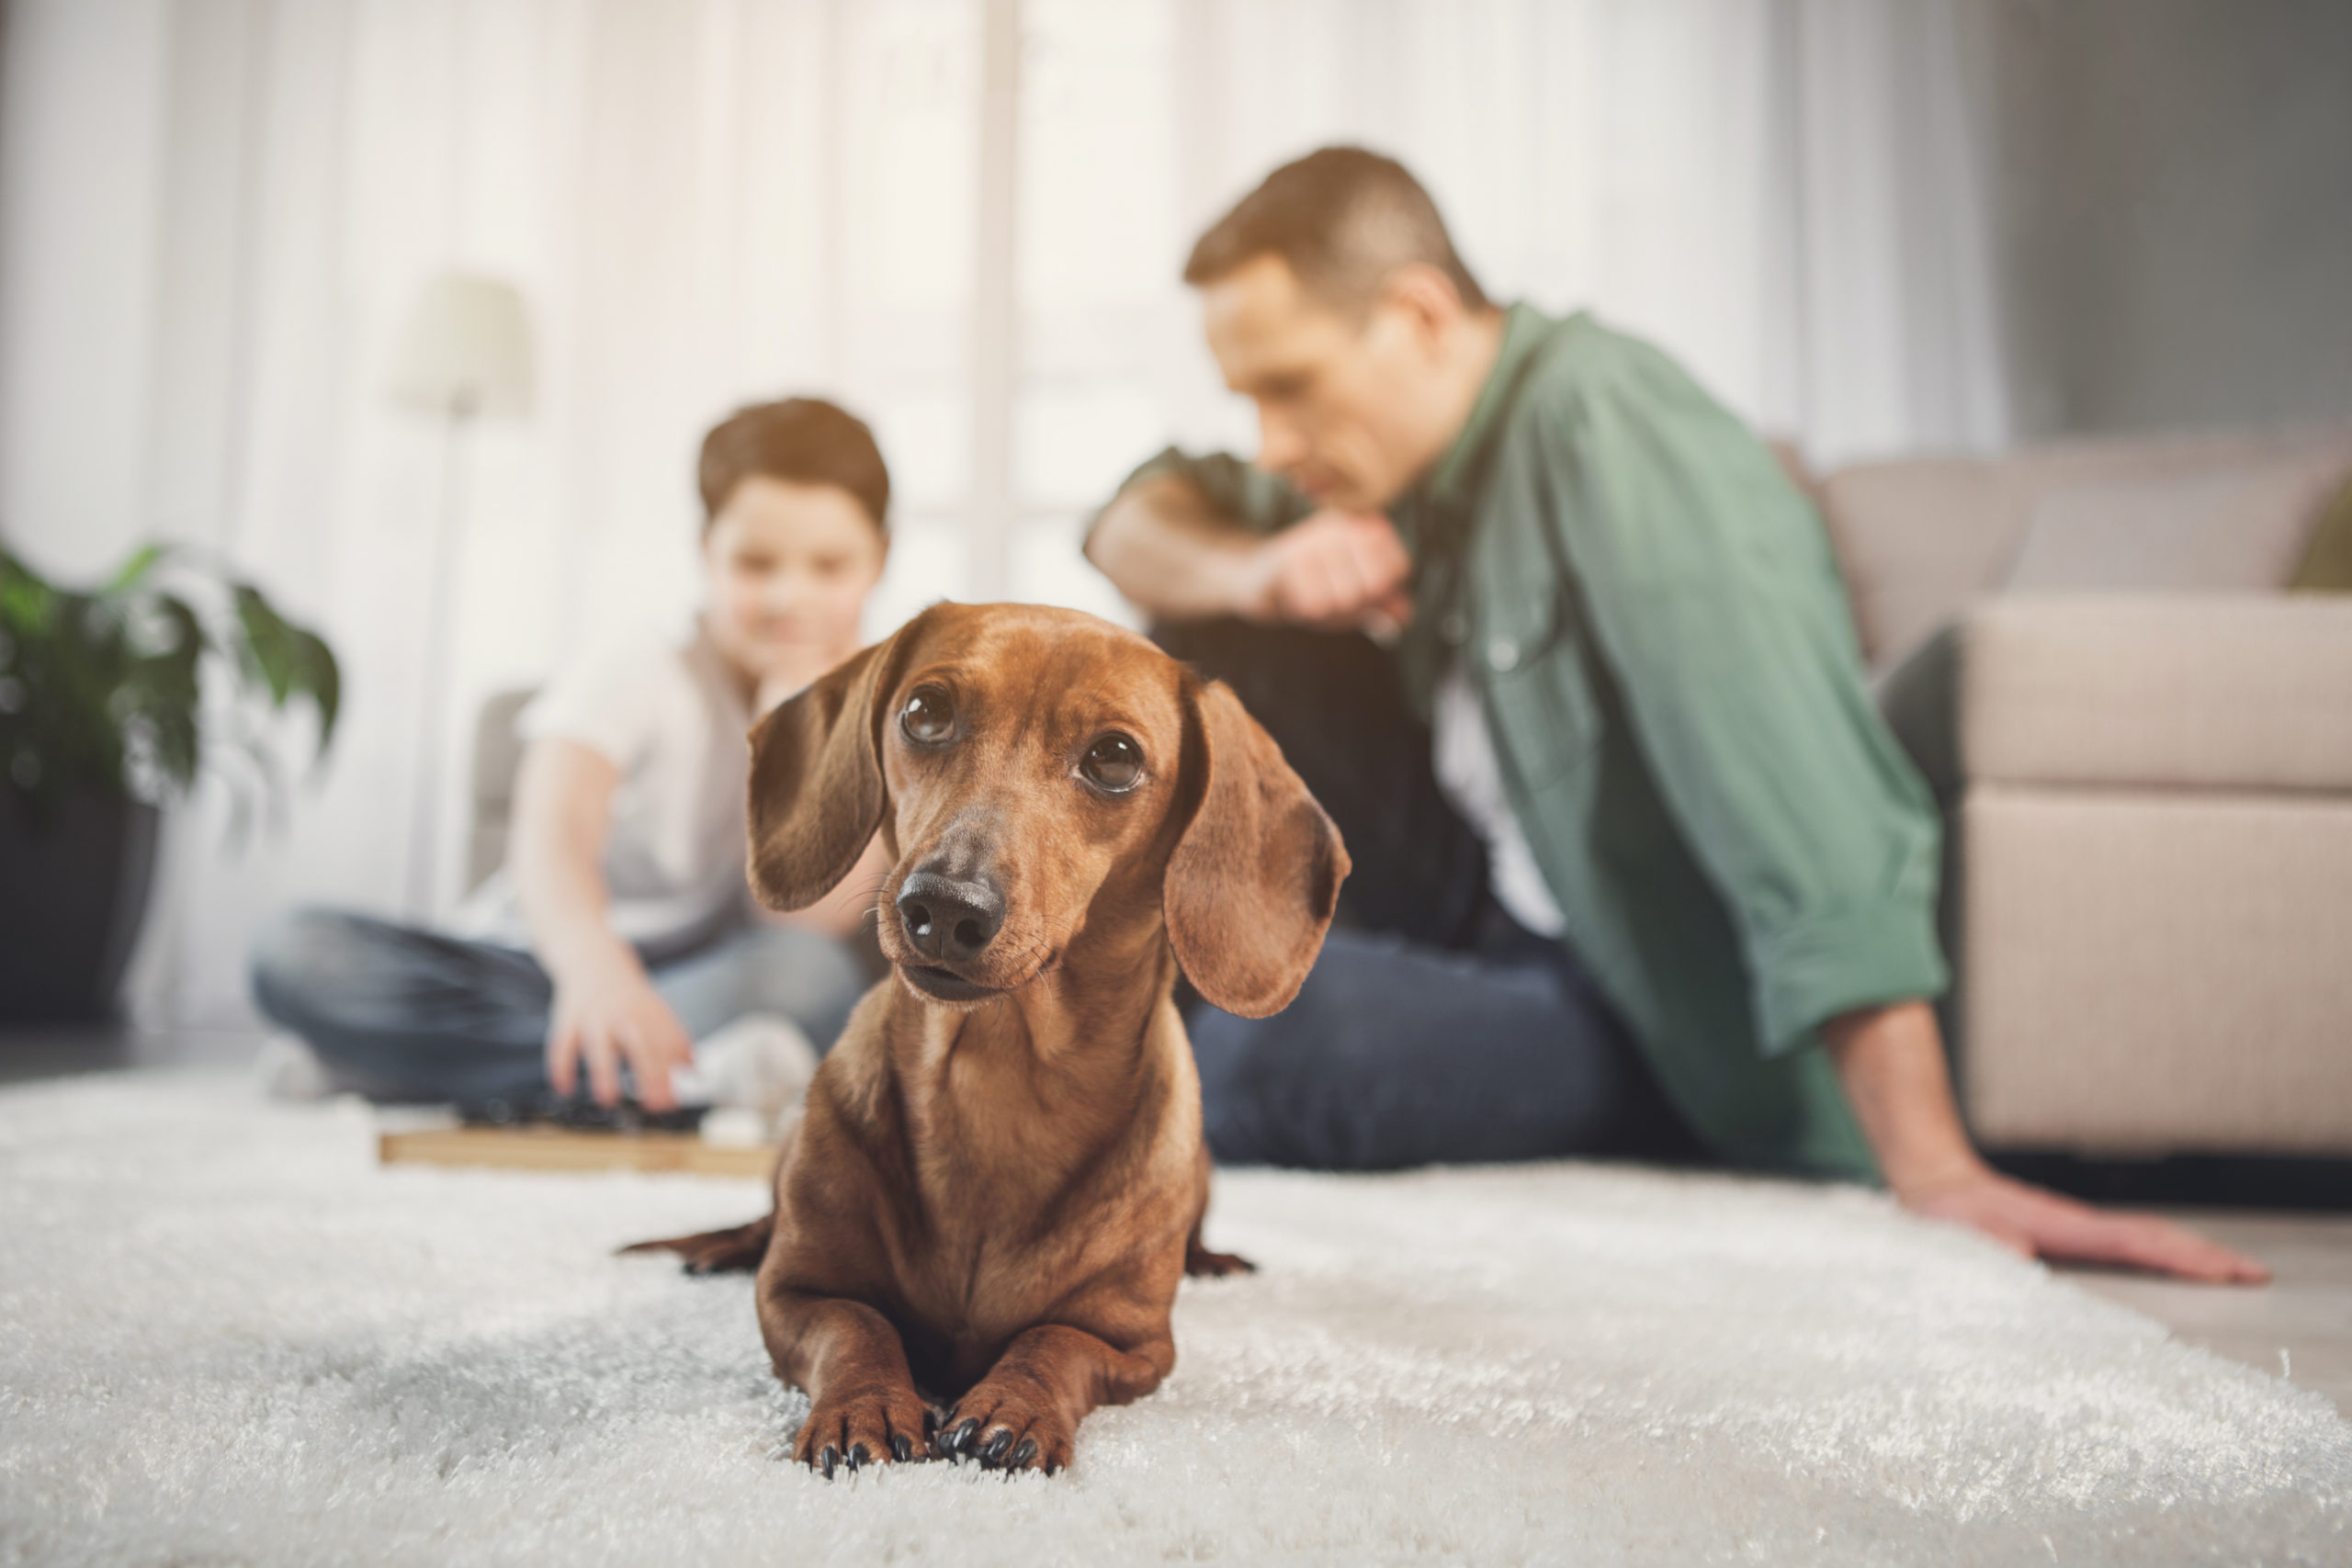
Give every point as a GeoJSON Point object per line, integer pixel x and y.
{"type": "Point", "coordinates": [790, 565]}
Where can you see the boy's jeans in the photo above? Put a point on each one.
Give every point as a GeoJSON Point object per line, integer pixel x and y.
{"type": "Point", "coordinates": [403, 1014]}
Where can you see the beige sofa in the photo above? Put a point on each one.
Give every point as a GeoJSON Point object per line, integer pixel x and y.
{"type": "Point", "coordinates": [2149, 761]}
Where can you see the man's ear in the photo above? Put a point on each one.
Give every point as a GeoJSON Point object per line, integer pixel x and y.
{"type": "Point", "coordinates": [1429, 299]}
{"type": "Point", "coordinates": [1253, 880]}
{"type": "Point", "coordinates": [817, 793]}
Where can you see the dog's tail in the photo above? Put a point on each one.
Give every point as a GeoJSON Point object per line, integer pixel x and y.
{"type": "Point", "coordinates": [716, 1252]}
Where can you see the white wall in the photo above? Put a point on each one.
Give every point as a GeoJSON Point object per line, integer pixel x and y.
{"type": "Point", "coordinates": [214, 215]}
{"type": "Point", "coordinates": [2175, 205]}
{"type": "Point", "coordinates": [82, 145]}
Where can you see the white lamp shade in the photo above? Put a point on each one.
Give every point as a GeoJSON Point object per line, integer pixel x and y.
{"type": "Point", "coordinates": [467, 349]}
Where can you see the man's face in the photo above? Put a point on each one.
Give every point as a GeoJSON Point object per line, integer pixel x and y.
{"type": "Point", "coordinates": [1347, 409]}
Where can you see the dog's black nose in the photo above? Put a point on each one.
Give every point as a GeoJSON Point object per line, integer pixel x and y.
{"type": "Point", "coordinates": [947, 920]}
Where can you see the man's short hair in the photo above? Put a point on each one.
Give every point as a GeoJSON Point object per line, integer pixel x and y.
{"type": "Point", "coordinates": [802, 441]}
{"type": "Point", "coordinates": [1342, 219]}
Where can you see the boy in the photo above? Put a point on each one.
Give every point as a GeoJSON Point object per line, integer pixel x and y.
{"type": "Point", "coordinates": [620, 931]}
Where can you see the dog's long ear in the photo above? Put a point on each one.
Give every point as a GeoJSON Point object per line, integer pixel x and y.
{"type": "Point", "coordinates": [817, 794]}
{"type": "Point", "coordinates": [1253, 883]}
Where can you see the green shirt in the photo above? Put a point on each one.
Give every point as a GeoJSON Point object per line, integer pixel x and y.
{"type": "Point", "coordinates": [1657, 627]}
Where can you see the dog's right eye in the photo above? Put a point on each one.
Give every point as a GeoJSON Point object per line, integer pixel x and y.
{"type": "Point", "coordinates": [929, 717]}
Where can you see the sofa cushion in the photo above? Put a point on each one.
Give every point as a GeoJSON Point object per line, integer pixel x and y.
{"type": "Point", "coordinates": [1916, 540]}
{"type": "Point", "coordinates": [2237, 528]}
{"type": "Point", "coordinates": [2242, 692]}
{"type": "Point", "coordinates": [498, 756]}
{"type": "Point", "coordinates": [2327, 565]}
{"type": "Point", "coordinates": [1919, 540]}
{"type": "Point", "coordinates": [2156, 972]}
{"type": "Point", "coordinates": [1920, 699]}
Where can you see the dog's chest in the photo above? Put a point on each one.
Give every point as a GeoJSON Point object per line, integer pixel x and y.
{"type": "Point", "coordinates": [988, 1257]}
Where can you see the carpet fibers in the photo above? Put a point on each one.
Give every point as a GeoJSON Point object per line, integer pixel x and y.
{"type": "Point", "coordinates": [230, 1338]}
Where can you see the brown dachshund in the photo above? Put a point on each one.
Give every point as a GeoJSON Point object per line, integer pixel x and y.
{"type": "Point", "coordinates": [1000, 1178]}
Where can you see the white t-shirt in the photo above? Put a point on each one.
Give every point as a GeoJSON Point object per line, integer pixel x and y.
{"type": "Point", "coordinates": [671, 716]}
{"type": "Point", "coordinates": [1462, 753]}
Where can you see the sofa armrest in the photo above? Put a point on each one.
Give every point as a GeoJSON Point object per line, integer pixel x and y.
{"type": "Point", "coordinates": [2227, 692]}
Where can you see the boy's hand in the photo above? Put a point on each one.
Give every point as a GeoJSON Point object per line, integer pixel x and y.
{"type": "Point", "coordinates": [610, 1016]}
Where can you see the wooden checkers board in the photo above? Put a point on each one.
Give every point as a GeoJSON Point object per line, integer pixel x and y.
{"type": "Point", "coordinates": [560, 1150]}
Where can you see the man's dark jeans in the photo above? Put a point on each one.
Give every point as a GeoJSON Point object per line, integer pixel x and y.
{"type": "Point", "coordinates": [1434, 1029]}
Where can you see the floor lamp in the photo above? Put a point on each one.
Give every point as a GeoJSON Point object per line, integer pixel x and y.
{"type": "Point", "coordinates": [465, 355]}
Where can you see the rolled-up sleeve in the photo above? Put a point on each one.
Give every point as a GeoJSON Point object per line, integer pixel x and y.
{"type": "Point", "coordinates": [1252, 497]}
{"type": "Point", "coordinates": [1717, 607]}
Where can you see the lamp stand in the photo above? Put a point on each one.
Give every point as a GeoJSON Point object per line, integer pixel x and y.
{"type": "Point", "coordinates": [448, 530]}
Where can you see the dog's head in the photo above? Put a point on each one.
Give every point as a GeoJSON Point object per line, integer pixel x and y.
{"type": "Point", "coordinates": [1035, 773]}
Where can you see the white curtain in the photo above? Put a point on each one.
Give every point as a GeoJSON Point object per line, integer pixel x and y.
{"type": "Point", "coordinates": [215, 213]}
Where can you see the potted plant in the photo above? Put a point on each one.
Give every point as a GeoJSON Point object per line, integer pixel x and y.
{"type": "Point", "coordinates": [112, 700]}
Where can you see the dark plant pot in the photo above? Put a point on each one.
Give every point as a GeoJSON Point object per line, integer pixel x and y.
{"type": "Point", "coordinates": [72, 893]}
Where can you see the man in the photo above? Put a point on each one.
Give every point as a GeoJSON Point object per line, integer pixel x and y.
{"type": "Point", "coordinates": [1630, 640]}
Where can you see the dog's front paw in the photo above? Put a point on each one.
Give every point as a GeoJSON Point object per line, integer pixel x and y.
{"type": "Point", "coordinates": [862, 1426]}
{"type": "Point", "coordinates": [1006, 1424]}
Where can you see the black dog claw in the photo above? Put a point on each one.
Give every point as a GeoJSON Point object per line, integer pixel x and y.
{"type": "Point", "coordinates": [1022, 1455]}
{"type": "Point", "coordinates": [997, 1444]}
{"type": "Point", "coordinates": [858, 1456]}
{"type": "Point", "coordinates": [901, 1448]}
{"type": "Point", "coordinates": [826, 1460]}
{"type": "Point", "coordinates": [960, 1439]}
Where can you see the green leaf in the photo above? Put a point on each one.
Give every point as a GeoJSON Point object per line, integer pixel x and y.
{"type": "Point", "coordinates": [132, 573]}
{"type": "Point", "coordinates": [24, 599]}
{"type": "Point", "coordinates": [108, 689]}
{"type": "Point", "coordinates": [322, 678]}
{"type": "Point", "coordinates": [268, 643]}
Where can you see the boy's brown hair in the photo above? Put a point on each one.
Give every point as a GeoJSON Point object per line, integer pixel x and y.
{"type": "Point", "coordinates": [801, 441]}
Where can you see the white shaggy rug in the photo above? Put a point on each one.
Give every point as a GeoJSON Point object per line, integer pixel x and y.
{"type": "Point", "coordinates": [227, 1337]}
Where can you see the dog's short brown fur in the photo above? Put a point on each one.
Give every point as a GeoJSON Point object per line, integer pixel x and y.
{"type": "Point", "coordinates": [1000, 1178]}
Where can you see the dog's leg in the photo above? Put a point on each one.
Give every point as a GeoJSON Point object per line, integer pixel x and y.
{"type": "Point", "coordinates": [863, 1406]}
{"type": "Point", "coordinates": [1025, 1414]}
{"type": "Point", "coordinates": [716, 1252]}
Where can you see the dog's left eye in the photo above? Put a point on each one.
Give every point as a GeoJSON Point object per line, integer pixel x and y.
{"type": "Point", "coordinates": [1112, 763]}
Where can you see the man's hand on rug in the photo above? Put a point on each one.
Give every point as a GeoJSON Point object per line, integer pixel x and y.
{"type": "Point", "coordinates": [2060, 1230]}
{"type": "Point", "coordinates": [1891, 1060]}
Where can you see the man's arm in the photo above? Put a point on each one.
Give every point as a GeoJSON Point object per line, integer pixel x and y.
{"type": "Point", "coordinates": [1711, 593]}
{"type": "Point", "coordinates": [1163, 546]}
{"type": "Point", "coordinates": [1168, 548]}
{"type": "Point", "coordinates": [1891, 1060]}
